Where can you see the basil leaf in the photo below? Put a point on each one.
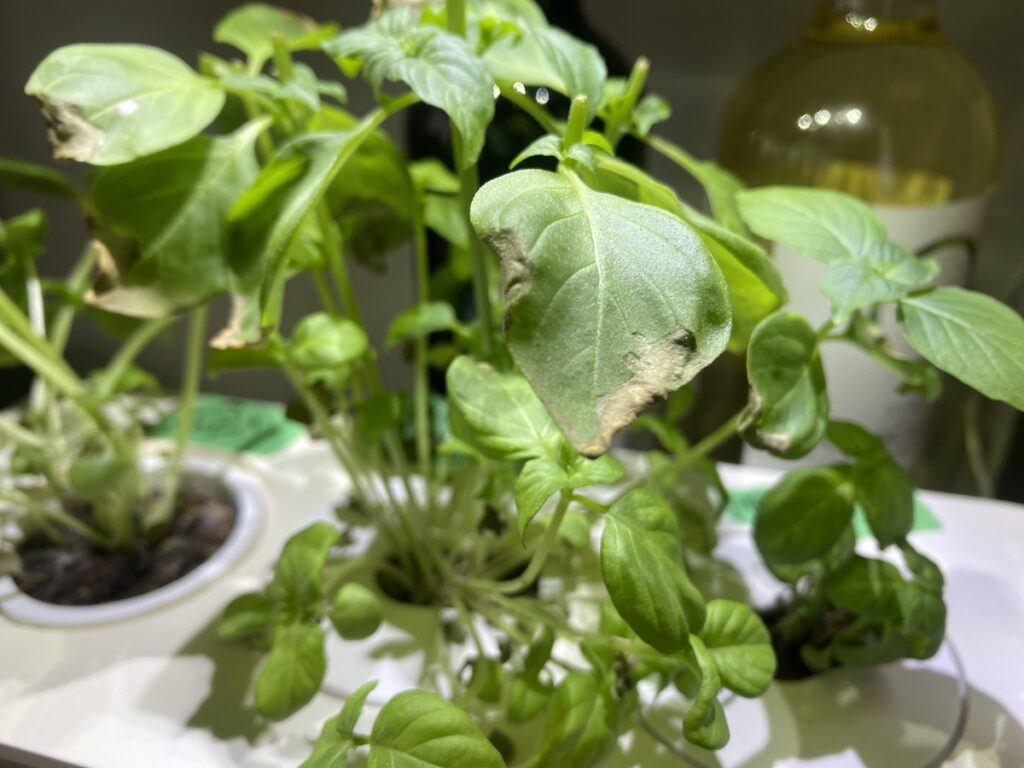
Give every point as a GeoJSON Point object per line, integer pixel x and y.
{"type": "Point", "coordinates": [108, 104]}
{"type": "Point", "coordinates": [324, 348]}
{"type": "Point", "coordinates": [22, 174]}
{"type": "Point", "coordinates": [579, 730]}
{"type": "Point", "coordinates": [610, 304]}
{"type": "Point", "coordinates": [970, 336]}
{"type": "Point", "coordinates": [439, 67]}
{"type": "Point", "coordinates": [868, 588]}
{"type": "Point", "coordinates": [345, 724]}
{"type": "Point", "coordinates": [789, 408]}
{"type": "Point", "coordinates": [167, 251]}
{"type": "Point", "coordinates": [291, 675]}
{"type": "Point", "coordinates": [704, 722]}
{"type": "Point", "coordinates": [421, 320]}
{"type": "Point", "coordinates": [738, 642]}
{"type": "Point", "coordinates": [541, 478]}
{"type": "Point", "coordinates": [642, 567]}
{"type": "Point", "coordinates": [298, 574]}
{"type": "Point", "coordinates": [498, 413]}
{"type": "Point", "coordinates": [804, 515]}
{"type": "Point", "coordinates": [824, 225]}
{"type": "Point", "coordinates": [247, 616]}
{"type": "Point", "coordinates": [885, 273]}
{"type": "Point", "coordinates": [421, 730]}
{"type": "Point", "coordinates": [356, 613]}
{"type": "Point", "coordinates": [252, 28]}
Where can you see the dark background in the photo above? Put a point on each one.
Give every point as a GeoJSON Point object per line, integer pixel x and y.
{"type": "Point", "coordinates": [699, 50]}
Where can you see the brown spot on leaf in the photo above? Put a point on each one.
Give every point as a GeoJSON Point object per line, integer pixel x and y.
{"type": "Point", "coordinates": [71, 135]}
{"type": "Point", "coordinates": [659, 368]}
{"type": "Point", "coordinates": [516, 266]}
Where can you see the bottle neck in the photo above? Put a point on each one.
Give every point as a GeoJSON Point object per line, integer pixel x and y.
{"type": "Point", "coordinates": [874, 21]}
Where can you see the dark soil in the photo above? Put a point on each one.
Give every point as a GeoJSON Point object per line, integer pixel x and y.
{"type": "Point", "coordinates": [787, 643]}
{"type": "Point", "coordinates": [79, 573]}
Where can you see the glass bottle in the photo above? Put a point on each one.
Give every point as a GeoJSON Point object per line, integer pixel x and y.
{"type": "Point", "coordinates": [872, 100]}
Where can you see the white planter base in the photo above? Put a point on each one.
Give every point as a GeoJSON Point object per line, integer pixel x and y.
{"type": "Point", "coordinates": [250, 511]}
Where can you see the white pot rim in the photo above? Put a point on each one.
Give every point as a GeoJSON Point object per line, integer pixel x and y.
{"type": "Point", "coordinates": [249, 496]}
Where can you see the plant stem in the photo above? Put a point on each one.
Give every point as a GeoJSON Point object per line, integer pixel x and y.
{"type": "Point", "coordinates": [164, 508]}
{"type": "Point", "coordinates": [700, 451]}
{"type": "Point", "coordinates": [540, 557]}
{"type": "Point", "coordinates": [76, 283]}
{"type": "Point", "coordinates": [469, 182]}
{"type": "Point", "coordinates": [323, 291]}
{"type": "Point", "coordinates": [132, 346]}
{"type": "Point", "coordinates": [456, 17]}
{"type": "Point", "coordinates": [577, 123]}
{"type": "Point", "coordinates": [421, 391]}
{"type": "Point", "coordinates": [615, 130]}
{"type": "Point", "coordinates": [531, 107]}
{"type": "Point", "coordinates": [18, 434]}
{"type": "Point", "coordinates": [55, 513]}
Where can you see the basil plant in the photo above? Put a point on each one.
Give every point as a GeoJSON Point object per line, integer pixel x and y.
{"type": "Point", "coordinates": [71, 455]}
{"type": "Point", "coordinates": [597, 293]}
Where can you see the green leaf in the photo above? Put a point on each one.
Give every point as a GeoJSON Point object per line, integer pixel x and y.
{"type": "Point", "coordinates": [357, 612]}
{"type": "Point", "coordinates": [610, 304]}
{"type": "Point", "coordinates": [345, 724]}
{"type": "Point", "coordinates": [324, 348]}
{"type": "Point", "coordinates": [545, 146]}
{"type": "Point", "coordinates": [789, 408]}
{"type": "Point", "coordinates": [527, 697]}
{"type": "Point", "coordinates": [486, 682]}
{"type": "Point", "coordinates": [642, 567]}
{"type": "Point", "coordinates": [547, 56]}
{"type": "Point", "coordinates": [291, 675]}
{"type": "Point", "coordinates": [542, 477]}
{"type": "Point", "coordinates": [247, 616]}
{"type": "Point", "coordinates": [579, 730]}
{"type": "Point", "coordinates": [922, 606]}
{"type": "Point", "coordinates": [298, 573]}
{"type": "Point", "coordinates": [970, 336]}
{"type": "Point", "coordinates": [21, 174]}
{"type": "Point", "coordinates": [824, 225]}
{"type": "Point", "coordinates": [755, 285]}
{"type": "Point", "coordinates": [885, 273]}
{"type": "Point", "coordinates": [867, 587]}
{"type": "Point", "coordinates": [431, 175]}
{"type": "Point", "coordinates": [372, 196]}
{"type": "Point", "coordinates": [108, 104]}
{"type": "Point", "coordinates": [740, 646]}
{"type": "Point", "coordinates": [22, 240]}
{"type": "Point", "coordinates": [439, 67]}
{"type": "Point", "coordinates": [330, 750]}
{"type": "Point", "coordinates": [704, 722]}
{"type": "Point", "coordinates": [252, 27]}
{"type": "Point", "coordinates": [421, 320]}
{"type": "Point", "coordinates": [883, 487]}
{"type": "Point", "coordinates": [443, 214]}
{"type": "Point", "coordinates": [498, 413]}
{"type": "Point", "coordinates": [651, 110]}
{"type": "Point", "coordinates": [161, 222]}
{"type": "Point", "coordinates": [804, 515]}
{"type": "Point", "coordinates": [421, 730]}
{"type": "Point", "coordinates": [266, 220]}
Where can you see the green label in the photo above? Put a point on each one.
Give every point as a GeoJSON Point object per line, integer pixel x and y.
{"type": "Point", "coordinates": [240, 426]}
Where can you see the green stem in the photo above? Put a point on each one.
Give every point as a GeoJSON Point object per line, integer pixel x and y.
{"type": "Point", "coordinates": [76, 283]}
{"type": "Point", "coordinates": [421, 391]}
{"type": "Point", "coordinates": [163, 510]}
{"type": "Point", "coordinates": [531, 107]}
{"type": "Point", "coordinates": [577, 123]}
{"type": "Point", "coordinates": [55, 514]}
{"type": "Point", "coordinates": [456, 17]}
{"type": "Point", "coordinates": [617, 125]}
{"type": "Point", "coordinates": [131, 348]}
{"type": "Point", "coordinates": [540, 557]}
{"type": "Point", "coordinates": [323, 291]}
{"type": "Point", "coordinates": [467, 620]}
{"type": "Point", "coordinates": [469, 182]}
{"type": "Point", "coordinates": [700, 451]}
{"type": "Point", "coordinates": [18, 434]}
